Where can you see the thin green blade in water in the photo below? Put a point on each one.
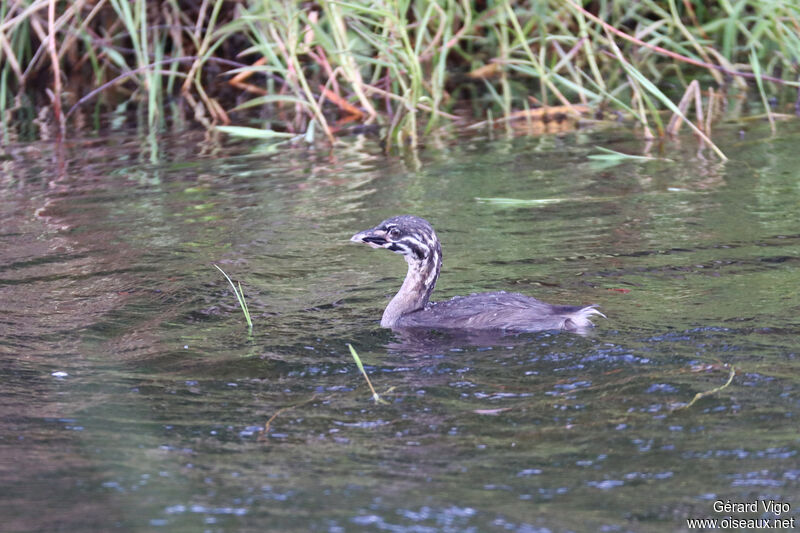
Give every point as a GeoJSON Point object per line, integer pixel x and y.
{"type": "Point", "coordinates": [239, 296]}
{"type": "Point", "coordinates": [364, 372]}
{"type": "Point", "coordinates": [518, 201]}
{"type": "Point", "coordinates": [254, 133]}
{"type": "Point", "coordinates": [613, 155]}
{"type": "Point", "coordinates": [535, 202]}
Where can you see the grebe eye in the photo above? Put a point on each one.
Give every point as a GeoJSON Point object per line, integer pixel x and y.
{"type": "Point", "coordinates": [394, 232]}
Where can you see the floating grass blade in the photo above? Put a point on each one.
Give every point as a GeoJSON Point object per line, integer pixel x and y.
{"type": "Point", "coordinates": [613, 155]}
{"type": "Point", "coordinates": [521, 202]}
{"type": "Point", "coordinates": [239, 296]}
{"type": "Point", "coordinates": [364, 372]}
{"type": "Point", "coordinates": [536, 202]}
{"type": "Point", "coordinates": [254, 133]}
{"type": "Point", "coordinates": [701, 395]}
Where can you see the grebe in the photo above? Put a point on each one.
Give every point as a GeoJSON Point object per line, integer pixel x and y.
{"type": "Point", "coordinates": [414, 238]}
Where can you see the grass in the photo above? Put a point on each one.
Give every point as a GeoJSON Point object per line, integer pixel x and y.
{"type": "Point", "coordinates": [240, 297]}
{"type": "Point", "coordinates": [614, 156]}
{"type": "Point", "coordinates": [519, 202]}
{"type": "Point", "coordinates": [701, 395]}
{"type": "Point", "coordinates": [402, 68]}
{"type": "Point", "coordinates": [364, 373]}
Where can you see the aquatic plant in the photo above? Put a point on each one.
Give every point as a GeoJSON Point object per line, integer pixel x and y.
{"type": "Point", "coordinates": [364, 372]}
{"type": "Point", "coordinates": [705, 394]}
{"type": "Point", "coordinates": [240, 297]}
{"type": "Point", "coordinates": [398, 66]}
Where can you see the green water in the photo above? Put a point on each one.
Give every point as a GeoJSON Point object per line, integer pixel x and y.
{"type": "Point", "coordinates": [133, 398]}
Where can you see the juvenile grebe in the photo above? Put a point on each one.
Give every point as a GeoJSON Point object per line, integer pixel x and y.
{"type": "Point", "coordinates": [415, 239]}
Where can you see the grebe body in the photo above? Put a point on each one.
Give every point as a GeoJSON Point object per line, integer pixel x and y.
{"type": "Point", "coordinates": [415, 239]}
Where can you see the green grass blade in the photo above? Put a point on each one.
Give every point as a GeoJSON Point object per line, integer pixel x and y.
{"type": "Point", "coordinates": [364, 372]}
{"type": "Point", "coordinates": [254, 133]}
{"type": "Point", "coordinates": [612, 155]}
{"type": "Point", "coordinates": [239, 296]}
{"type": "Point", "coordinates": [521, 202]}
{"type": "Point", "coordinates": [755, 65]}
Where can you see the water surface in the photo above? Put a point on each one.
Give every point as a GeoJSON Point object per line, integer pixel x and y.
{"type": "Point", "coordinates": [134, 399]}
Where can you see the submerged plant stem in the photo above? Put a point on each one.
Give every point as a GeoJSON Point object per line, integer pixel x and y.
{"type": "Point", "coordinates": [265, 430]}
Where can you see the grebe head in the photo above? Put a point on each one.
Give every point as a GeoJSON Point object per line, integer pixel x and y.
{"type": "Point", "coordinates": [415, 240]}
{"type": "Point", "coordinates": [411, 236]}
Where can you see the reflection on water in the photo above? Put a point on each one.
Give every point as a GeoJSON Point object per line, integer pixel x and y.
{"type": "Point", "coordinates": [134, 399]}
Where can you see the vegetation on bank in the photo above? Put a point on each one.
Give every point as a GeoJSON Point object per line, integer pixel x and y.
{"type": "Point", "coordinates": [402, 68]}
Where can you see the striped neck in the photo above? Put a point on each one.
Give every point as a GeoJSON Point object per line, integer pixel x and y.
{"type": "Point", "coordinates": [417, 287]}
